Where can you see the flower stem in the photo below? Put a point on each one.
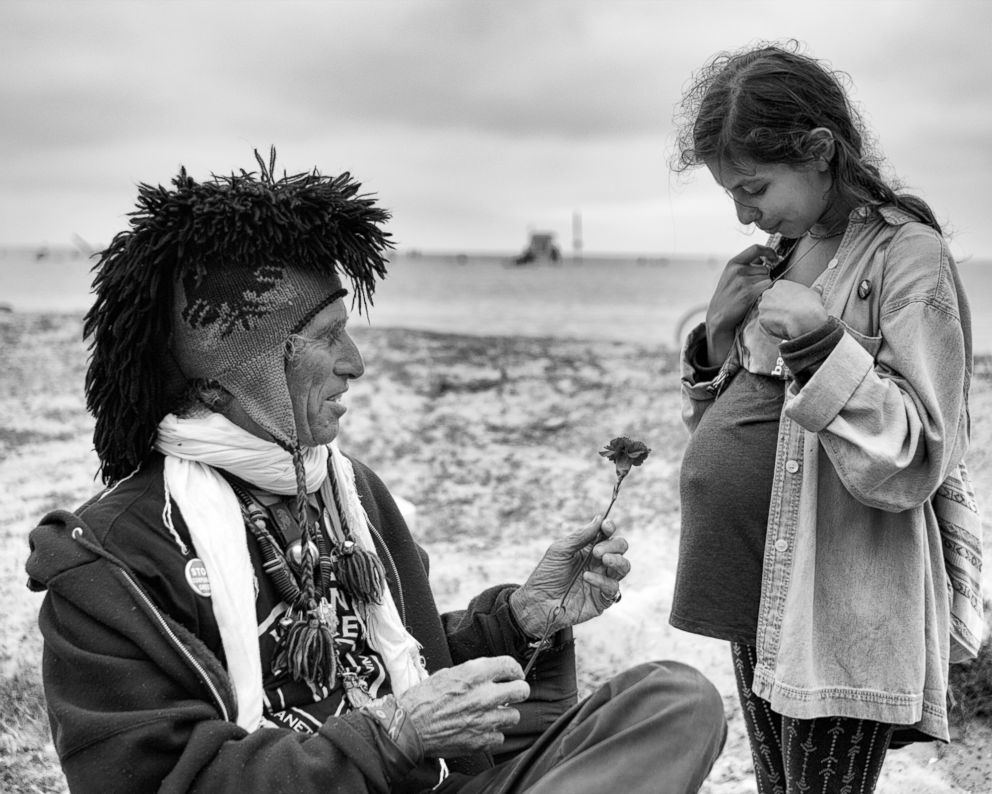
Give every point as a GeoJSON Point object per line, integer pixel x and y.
{"type": "Point", "coordinates": [586, 555]}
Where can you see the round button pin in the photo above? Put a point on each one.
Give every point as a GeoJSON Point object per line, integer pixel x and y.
{"type": "Point", "coordinates": [781, 545]}
{"type": "Point", "coordinates": [196, 576]}
{"type": "Point", "coordinates": [791, 466]}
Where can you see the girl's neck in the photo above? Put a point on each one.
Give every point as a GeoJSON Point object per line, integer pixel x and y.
{"type": "Point", "coordinates": [833, 221]}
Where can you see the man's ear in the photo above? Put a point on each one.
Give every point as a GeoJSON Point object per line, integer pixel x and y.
{"type": "Point", "coordinates": [820, 147]}
{"type": "Point", "coordinates": [213, 395]}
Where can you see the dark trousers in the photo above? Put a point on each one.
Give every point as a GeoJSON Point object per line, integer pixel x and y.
{"type": "Point", "coordinates": [654, 729]}
{"type": "Point", "coordinates": [832, 755]}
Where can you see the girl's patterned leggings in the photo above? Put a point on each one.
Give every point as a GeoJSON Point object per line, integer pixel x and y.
{"type": "Point", "coordinates": [827, 755]}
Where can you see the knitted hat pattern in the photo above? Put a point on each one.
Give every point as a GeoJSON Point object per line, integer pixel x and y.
{"type": "Point", "coordinates": [231, 326]}
{"type": "Point", "coordinates": [208, 282]}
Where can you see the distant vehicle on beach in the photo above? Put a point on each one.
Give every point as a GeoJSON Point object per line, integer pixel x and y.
{"type": "Point", "coordinates": [541, 248]}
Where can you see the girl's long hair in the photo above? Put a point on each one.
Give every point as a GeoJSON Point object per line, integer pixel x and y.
{"type": "Point", "coordinates": [760, 105]}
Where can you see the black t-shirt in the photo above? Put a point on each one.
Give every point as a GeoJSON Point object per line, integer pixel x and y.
{"type": "Point", "coordinates": [296, 704]}
{"type": "Point", "coordinates": [725, 488]}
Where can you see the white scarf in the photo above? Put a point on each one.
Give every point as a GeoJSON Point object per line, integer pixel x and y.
{"type": "Point", "coordinates": [194, 448]}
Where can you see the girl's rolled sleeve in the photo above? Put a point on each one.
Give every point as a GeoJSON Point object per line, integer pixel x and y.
{"type": "Point", "coordinates": [832, 386]}
{"type": "Point", "coordinates": [698, 388]}
{"type": "Point", "coordinates": [894, 423]}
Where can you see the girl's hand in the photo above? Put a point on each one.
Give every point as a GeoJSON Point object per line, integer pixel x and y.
{"type": "Point", "coordinates": [788, 309]}
{"type": "Point", "coordinates": [742, 280]}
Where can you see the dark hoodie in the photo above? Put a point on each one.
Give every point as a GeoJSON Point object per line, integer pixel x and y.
{"type": "Point", "coordinates": [138, 696]}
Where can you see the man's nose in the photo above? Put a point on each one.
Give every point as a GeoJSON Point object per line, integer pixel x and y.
{"type": "Point", "coordinates": [350, 364]}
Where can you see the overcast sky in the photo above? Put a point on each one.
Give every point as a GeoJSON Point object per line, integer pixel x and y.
{"type": "Point", "coordinates": [474, 122]}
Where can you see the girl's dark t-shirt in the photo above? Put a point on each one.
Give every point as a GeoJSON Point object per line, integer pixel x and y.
{"type": "Point", "coordinates": [725, 488]}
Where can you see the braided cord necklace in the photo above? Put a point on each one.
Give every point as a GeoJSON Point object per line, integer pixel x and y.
{"type": "Point", "coordinates": [306, 646]}
{"type": "Point", "coordinates": [360, 572]}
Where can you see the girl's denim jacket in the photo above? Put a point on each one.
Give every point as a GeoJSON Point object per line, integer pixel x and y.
{"type": "Point", "coordinates": [853, 618]}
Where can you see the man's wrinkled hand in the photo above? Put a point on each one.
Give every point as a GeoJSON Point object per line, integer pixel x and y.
{"type": "Point", "coordinates": [466, 708]}
{"type": "Point", "coordinates": [595, 590]}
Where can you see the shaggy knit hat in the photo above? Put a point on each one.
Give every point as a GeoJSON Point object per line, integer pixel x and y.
{"type": "Point", "coordinates": [209, 282]}
{"type": "Point", "coordinates": [231, 326]}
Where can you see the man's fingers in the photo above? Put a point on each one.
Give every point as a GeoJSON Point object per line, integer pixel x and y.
{"type": "Point", "coordinates": [607, 584]}
{"type": "Point", "coordinates": [581, 537]}
{"type": "Point", "coordinates": [506, 717]}
{"type": "Point", "coordinates": [500, 678]}
{"type": "Point", "coordinates": [611, 545]}
{"type": "Point", "coordinates": [509, 692]}
{"type": "Point", "coordinates": [608, 601]}
{"type": "Point", "coordinates": [617, 566]}
{"type": "Point", "coordinates": [607, 527]}
{"type": "Point", "coordinates": [507, 669]}
{"type": "Point", "coordinates": [609, 589]}
{"type": "Point", "coordinates": [490, 741]}
{"type": "Point", "coordinates": [590, 530]}
{"type": "Point", "coordinates": [610, 553]}
{"type": "Point", "coordinates": [493, 668]}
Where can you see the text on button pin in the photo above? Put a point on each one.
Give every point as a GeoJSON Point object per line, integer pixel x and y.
{"type": "Point", "coordinates": [791, 466]}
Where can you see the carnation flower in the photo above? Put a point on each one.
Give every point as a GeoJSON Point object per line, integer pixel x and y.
{"type": "Point", "coordinates": [625, 453]}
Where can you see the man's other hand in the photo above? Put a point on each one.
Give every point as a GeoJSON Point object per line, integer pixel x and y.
{"type": "Point", "coordinates": [466, 708]}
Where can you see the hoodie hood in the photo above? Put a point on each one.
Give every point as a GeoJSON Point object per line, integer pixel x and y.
{"type": "Point", "coordinates": [54, 549]}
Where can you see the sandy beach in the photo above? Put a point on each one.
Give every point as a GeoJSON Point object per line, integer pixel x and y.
{"type": "Point", "coordinates": [495, 439]}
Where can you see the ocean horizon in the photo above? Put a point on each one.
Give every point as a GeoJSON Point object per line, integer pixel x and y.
{"type": "Point", "coordinates": [649, 299]}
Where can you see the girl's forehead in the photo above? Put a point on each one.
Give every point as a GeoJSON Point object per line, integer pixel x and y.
{"type": "Point", "coordinates": [731, 173]}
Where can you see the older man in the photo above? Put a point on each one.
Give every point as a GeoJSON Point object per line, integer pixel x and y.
{"type": "Point", "coordinates": [243, 608]}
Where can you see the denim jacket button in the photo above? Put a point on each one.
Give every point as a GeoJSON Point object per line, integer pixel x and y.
{"type": "Point", "coordinates": [781, 545]}
{"type": "Point", "coordinates": [791, 466]}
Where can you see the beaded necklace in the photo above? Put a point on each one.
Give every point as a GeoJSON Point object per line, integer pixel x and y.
{"type": "Point", "coordinates": [306, 646]}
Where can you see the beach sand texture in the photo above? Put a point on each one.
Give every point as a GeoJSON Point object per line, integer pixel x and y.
{"type": "Point", "coordinates": [494, 436]}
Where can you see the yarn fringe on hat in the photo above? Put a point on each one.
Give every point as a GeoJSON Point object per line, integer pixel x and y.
{"type": "Point", "coordinates": [246, 222]}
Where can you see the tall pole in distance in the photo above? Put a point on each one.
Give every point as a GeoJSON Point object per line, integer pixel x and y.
{"type": "Point", "coordinates": [577, 236]}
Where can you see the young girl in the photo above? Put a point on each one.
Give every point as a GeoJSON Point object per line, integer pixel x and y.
{"type": "Point", "coordinates": [826, 394]}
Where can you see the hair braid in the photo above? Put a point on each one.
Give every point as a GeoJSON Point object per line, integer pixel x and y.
{"type": "Point", "coordinates": [308, 543]}
{"type": "Point", "coordinates": [307, 649]}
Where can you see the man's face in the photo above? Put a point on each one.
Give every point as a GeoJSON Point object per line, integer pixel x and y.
{"type": "Point", "coordinates": [318, 373]}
